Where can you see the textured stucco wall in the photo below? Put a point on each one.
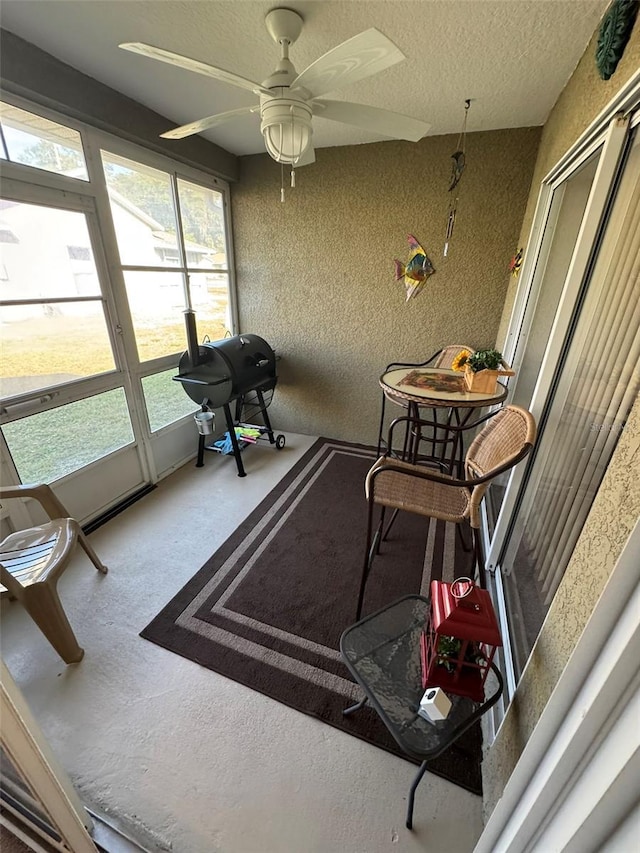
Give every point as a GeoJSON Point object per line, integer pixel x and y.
{"type": "Point", "coordinates": [315, 274]}
{"type": "Point", "coordinates": [584, 96]}
{"type": "Point", "coordinates": [617, 504]}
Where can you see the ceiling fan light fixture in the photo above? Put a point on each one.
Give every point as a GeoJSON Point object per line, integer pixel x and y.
{"type": "Point", "coordinates": [286, 128]}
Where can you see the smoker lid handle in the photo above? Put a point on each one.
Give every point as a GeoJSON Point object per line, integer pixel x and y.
{"type": "Point", "coordinates": [187, 380]}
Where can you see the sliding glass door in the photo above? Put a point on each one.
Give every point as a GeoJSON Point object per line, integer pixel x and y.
{"type": "Point", "coordinates": [577, 350]}
{"type": "Point", "coordinates": [567, 207]}
{"type": "Point", "coordinates": [587, 412]}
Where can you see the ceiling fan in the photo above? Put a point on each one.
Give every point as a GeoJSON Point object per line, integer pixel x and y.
{"type": "Point", "coordinates": [289, 100]}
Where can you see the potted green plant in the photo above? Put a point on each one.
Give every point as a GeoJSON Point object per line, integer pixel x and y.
{"type": "Point", "coordinates": [482, 369]}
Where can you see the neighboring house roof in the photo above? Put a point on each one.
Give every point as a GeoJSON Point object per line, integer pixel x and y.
{"type": "Point", "coordinates": [161, 237]}
{"type": "Point", "coordinates": [134, 210]}
{"type": "Point", "coordinates": [7, 234]}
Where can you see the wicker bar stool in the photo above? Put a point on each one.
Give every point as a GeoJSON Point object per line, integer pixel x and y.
{"type": "Point", "coordinates": [504, 441]}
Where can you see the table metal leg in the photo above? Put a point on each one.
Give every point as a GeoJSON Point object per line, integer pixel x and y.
{"type": "Point", "coordinates": [381, 428]}
{"type": "Point", "coordinates": [352, 708]}
{"type": "Point", "coordinates": [412, 793]}
{"type": "Point", "coordinates": [415, 435]}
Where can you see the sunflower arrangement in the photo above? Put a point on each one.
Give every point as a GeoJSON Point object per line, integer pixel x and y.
{"type": "Point", "coordinates": [487, 359]}
{"type": "Point", "coordinates": [460, 360]}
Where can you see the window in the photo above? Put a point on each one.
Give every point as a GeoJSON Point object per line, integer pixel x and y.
{"type": "Point", "coordinates": [32, 140]}
{"type": "Point", "coordinates": [167, 269]}
{"type": "Point", "coordinates": [52, 444]}
{"type": "Point", "coordinates": [568, 206]}
{"type": "Point", "coordinates": [54, 330]}
{"type": "Point", "coordinates": [165, 399]}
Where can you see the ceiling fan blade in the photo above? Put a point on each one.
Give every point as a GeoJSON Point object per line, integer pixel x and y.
{"type": "Point", "coordinates": [307, 158]}
{"type": "Point", "coordinates": [357, 58]}
{"type": "Point", "coordinates": [384, 122]}
{"type": "Point", "coordinates": [193, 65]}
{"type": "Point", "coordinates": [206, 123]}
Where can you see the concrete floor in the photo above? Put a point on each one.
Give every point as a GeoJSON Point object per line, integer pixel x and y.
{"type": "Point", "coordinates": [180, 757]}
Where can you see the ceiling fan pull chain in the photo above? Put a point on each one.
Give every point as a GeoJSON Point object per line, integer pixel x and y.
{"type": "Point", "coordinates": [282, 182]}
{"type": "Point", "coordinates": [296, 158]}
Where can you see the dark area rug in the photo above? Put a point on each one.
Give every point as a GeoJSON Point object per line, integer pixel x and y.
{"type": "Point", "coordinates": [269, 607]}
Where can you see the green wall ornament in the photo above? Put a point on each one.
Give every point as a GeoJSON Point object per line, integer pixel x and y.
{"type": "Point", "coordinates": [614, 34]}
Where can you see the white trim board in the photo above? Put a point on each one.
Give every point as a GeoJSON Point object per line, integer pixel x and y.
{"type": "Point", "coordinates": [32, 756]}
{"type": "Point", "coordinates": [587, 731]}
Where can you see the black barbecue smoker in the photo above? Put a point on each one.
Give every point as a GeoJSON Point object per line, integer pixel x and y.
{"type": "Point", "coordinates": [240, 370]}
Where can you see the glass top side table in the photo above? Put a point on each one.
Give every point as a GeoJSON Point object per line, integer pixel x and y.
{"type": "Point", "coordinates": [382, 652]}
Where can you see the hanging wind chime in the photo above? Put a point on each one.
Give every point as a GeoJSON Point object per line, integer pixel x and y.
{"type": "Point", "coordinates": [457, 169]}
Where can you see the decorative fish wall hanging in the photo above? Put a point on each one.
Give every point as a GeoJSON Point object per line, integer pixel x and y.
{"type": "Point", "coordinates": [417, 269]}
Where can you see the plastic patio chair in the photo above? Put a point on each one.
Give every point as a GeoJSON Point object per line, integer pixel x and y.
{"type": "Point", "coordinates": [32, 560]}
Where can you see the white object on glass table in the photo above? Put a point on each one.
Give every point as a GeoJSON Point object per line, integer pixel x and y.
{"type": "Point", "coordinates": [434, 705]}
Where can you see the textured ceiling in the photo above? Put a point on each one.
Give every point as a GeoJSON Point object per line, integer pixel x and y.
{"type": "Point", "coordinates": [511, 57]}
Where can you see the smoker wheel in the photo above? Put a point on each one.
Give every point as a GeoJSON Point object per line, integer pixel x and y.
{"type": "Point", "coordinates": [280, 441]}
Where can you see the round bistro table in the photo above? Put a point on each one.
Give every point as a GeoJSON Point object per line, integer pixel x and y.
{"type": "Point", "coordinates": [438, 389]}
